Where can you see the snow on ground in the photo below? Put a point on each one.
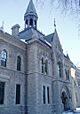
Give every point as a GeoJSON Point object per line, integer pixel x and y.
{"type": "Point", "coordinates": [77, 111]}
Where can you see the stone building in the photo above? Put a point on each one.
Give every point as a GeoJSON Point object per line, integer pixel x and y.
{"type": "Point", "coordinates": [35, 75]}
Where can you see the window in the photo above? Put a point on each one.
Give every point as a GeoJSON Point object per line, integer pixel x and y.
{"type": "Point", "coordinates": [48, 96]}
{"type": "Point", "coordinates": [3, 58]}
{"type": "Point", "coordinates": [46, 66]}
{"type": "Point", "coordinates": [31, 22]}
{"type": "Point", "coordinates": [67, 74]}
{"type": "Point", "coordinates": [44, 95]}
{"type": "Point", "coordinates": [42, 65]}
{"type": "Point", "coordinates": [59, 68]}
{"type": "Point", "coordinates": [19, 63]}
{"type": "Point", "coordinates": [18, 94]}
{"type": "Point", "coordinates": [35, 22]}
{"type": "Point", "coordinates": [27, 22]}
{"type": "Point", "coordinates": [2, 86]}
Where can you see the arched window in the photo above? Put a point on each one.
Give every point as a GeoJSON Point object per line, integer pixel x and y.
{"type": "Point", "coordinates": [19, 63]}
{"type": "Point", "coordinates": [31, 22]}
{"type": "Point", "coordinates": [35, 23]}
{"type": "Point", "coordinates": [46, 66]}
{"type": "Point", "coordinates": [67, 74]}
{"type": "Point", "coordinates": [42, 60]}
{"type": "Point", "coordinates": [3, 58]}
{"type": "Point", "coordinates": [27, 22]}
{"type": "Point", "coordinates": [59, 68]}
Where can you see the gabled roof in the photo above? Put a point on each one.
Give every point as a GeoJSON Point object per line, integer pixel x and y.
{"type": "Point", "coordinates": [49, 37]}
{"type": "Point", "coordinates": [31, 9]}
{"type": "Point", "coordinates": [28, 33]}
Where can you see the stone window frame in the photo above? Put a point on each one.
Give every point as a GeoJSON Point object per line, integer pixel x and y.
{"type": "Point", "coordinates": [2, 92]}
{"type": "Point", "coordinates": [44, 65]}
{"type": "Point", "coordinates": [67, 74]}
{"type": "Point", "coordinates": [60, 69]}
{"type": "Point", "coordinates": [19, 60]}
{"type": "Point", "coordinates": [18, 94]}
{"type": "Point", "coordinates": [46, 94]}
{"type": "Point", "coordinates": [4, 57]}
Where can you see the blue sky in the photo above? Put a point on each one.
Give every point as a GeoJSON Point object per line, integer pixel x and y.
{"type": "Point", "coordinates": [12, 12]}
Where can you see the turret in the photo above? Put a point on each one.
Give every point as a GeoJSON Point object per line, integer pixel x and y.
{"type": "Point", "coordinates": [30, 17]}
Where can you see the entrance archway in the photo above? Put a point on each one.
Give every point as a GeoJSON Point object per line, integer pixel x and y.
{"type": "Point", "coordinates": [65, 97]}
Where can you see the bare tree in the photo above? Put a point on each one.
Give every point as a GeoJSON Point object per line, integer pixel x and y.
{"type": "Point", "coordinates": [65, 5]}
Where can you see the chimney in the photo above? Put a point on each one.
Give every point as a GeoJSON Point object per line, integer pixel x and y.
{"type": "Point", "coordinates": [15, 30]}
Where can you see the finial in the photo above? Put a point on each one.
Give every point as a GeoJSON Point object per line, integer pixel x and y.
{"type": "Point", "coordinates": [67, 55]}
{"type": "Point", "coordinates": [3, 23]}
{"type": "Point", "coordinates": [54, 23]}
{"type": "Point", "coordinates": [2, 27]}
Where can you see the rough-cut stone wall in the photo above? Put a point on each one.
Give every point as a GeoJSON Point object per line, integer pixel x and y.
{"type": "Point", "coordinates": [11, 76]}
{"type": "Point", "coordinates": [31, 77]}
{"type": "Point", "coordinates": [36, 80]}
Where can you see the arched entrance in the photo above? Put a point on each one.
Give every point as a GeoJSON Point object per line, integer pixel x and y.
{"type": "Point", "coordinates": [65, 97]}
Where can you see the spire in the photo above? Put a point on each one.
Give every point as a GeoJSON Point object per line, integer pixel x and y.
{"type": "Point", "coordinates": [31, 9]}
{"type": "Point", "coordinates": [2, 27]}
{"type": "Point", "coordinates": [30, 17]}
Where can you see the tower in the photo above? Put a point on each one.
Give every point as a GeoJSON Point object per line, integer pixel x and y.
{"type": "Point", "coordinates": [30, 17]}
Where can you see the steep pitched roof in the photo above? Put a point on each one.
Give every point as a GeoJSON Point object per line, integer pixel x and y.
{"type": "Point", "coordinates": [49, 37]}
{"type": "Point", "coordinates": [28, 33]}
{"type": "Point", "coordinates": [31, 9]}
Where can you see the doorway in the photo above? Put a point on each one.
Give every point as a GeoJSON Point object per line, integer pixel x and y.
{"type": "Point", "coordinates": [65, 101]}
